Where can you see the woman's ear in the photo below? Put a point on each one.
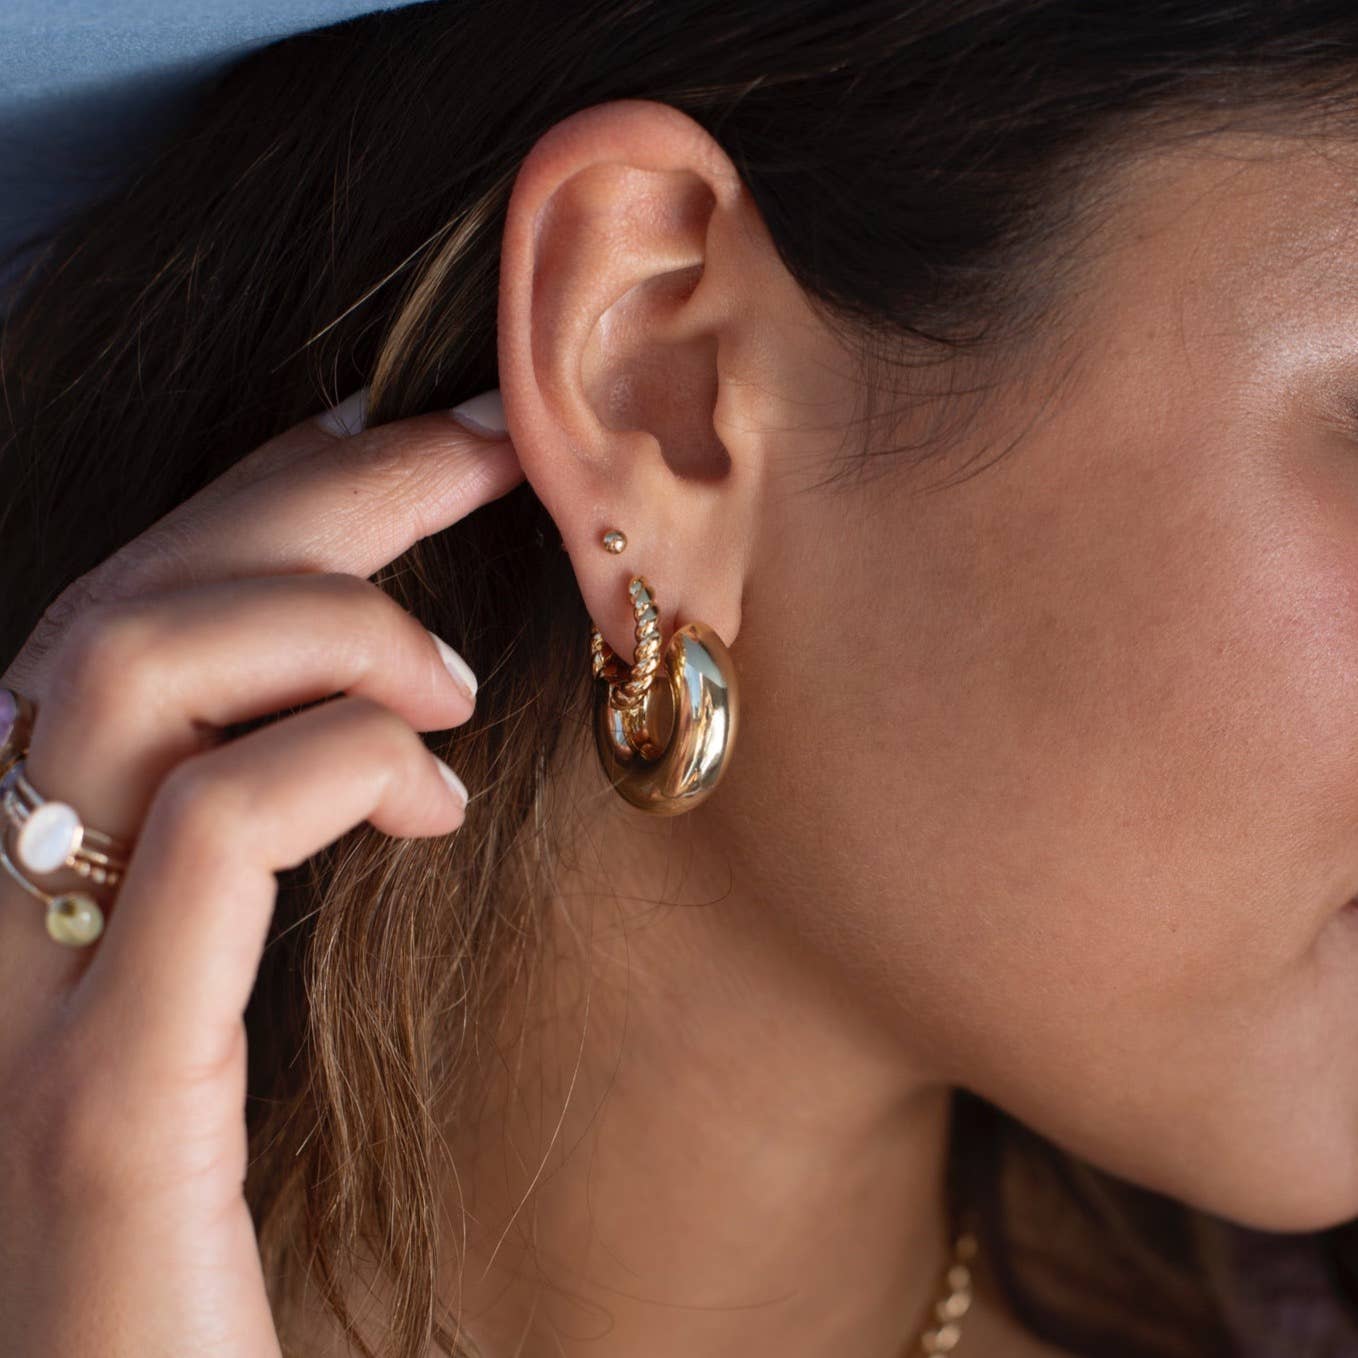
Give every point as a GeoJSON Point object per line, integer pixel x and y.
{"type": "Point", "coordinates": [639, 310]}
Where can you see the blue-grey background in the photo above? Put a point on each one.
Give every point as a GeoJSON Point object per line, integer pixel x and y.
{"type": "Point", "coordinates": [86, 84]}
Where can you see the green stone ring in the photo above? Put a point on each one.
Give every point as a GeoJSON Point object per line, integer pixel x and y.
{"type": "Point", "coordinates": [74, 919]}
{"type": "Point", "coordinates": [49, 836]}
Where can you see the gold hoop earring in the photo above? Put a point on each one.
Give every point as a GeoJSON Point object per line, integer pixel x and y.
{"type": "Point", "coordinates": [664, 746]}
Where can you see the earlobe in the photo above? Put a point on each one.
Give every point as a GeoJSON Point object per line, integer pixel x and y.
{"type": "Point", "coordinates": [623, 311]}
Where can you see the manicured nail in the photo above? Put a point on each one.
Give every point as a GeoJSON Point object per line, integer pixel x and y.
{"type": "Point", "coordinates": [348, 417]}
{"type": "Point", "coordinates": [456, 666]}
{"type": "Point", "coordinates": [484, 415]}
{"type": "Point", "coordinates": [455, 784]}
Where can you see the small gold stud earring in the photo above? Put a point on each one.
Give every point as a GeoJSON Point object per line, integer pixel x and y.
{"type": "Point", "coordinates": [613, 541]}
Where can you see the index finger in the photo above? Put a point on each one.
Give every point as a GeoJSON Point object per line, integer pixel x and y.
{"type": "Point", "coordinates": [316, 499]}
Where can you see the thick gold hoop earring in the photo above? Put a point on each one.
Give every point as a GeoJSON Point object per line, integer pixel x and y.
{"type": "Point", "coordinates": [664, 746]}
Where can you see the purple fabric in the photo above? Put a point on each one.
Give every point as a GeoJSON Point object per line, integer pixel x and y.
{"type": "Point", "coordinates": [1286, 1307]}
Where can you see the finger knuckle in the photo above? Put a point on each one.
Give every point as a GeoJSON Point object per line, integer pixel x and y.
{"type": "Point", "coordinates": [345, 589]}
{"type": "Point", "coordinates": [377, 733]}
{"type": "Point", "coordinates": [57, 618]}
{"type": "Point", "coordinates": [199, 807]}
{"type": "Point", "coordinates": [95, 587]}
{"type": "Point", "coordinates": [107, 658]}
{"type": "Point", "coordinates": [371, 612]}
{"type": "Point", "coordinates": [167, 554]}
{"type": "Point", "coordinates": [381, 459]}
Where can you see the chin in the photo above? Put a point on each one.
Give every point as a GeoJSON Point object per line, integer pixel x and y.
{"type": "Point", "coordinates": [1300, 1189]}
{"type": "Point", "coordinates": [1287, 1163]}
{"type": "Point", "coordinates": [1290, 1218]}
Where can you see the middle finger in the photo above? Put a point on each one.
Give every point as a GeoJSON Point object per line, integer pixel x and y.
{"type": "Point", "coordinates": [141, 684]}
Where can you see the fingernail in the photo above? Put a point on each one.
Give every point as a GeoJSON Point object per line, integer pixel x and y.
{"type": "Point", "coordinates": [455, 784]}
{"type": "Point", "coordinates": [348, 417]}
{"type": "Point", "coordinates": [484, 414]}
{"type": "Point", "coordinates": [456, 666]}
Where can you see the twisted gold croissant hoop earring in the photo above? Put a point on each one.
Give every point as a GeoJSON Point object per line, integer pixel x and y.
{"type": "Point", "coordinates": [666, 761]}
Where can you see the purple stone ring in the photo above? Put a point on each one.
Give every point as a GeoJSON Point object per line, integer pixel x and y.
{"type": "Point", "coordinates": [16, 726]}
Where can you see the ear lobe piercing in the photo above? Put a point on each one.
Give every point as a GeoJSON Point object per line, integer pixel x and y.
{"type": "Point", "coordinates": [675, 772]}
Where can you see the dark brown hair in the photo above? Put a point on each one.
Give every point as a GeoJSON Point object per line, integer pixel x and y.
{"type": "Point", "coordinates": [330, 216]}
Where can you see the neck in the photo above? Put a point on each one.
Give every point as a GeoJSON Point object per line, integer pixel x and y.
{"type": "Point", "coordinates": [698, 1143]}
{"type": "Point", "coordinates": [692, 1139]}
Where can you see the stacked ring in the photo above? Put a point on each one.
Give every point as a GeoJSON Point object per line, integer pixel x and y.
{"type": "Point", "coordinates": [16, 727]}
{"type": "Point", "coordinates": [51, 836]}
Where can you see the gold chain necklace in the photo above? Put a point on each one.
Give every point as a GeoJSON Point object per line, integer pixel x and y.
{"type": "Point", "coordinates": [954, 1302]}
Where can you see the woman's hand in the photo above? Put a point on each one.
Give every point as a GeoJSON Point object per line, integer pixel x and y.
{"type": "Point", "coordinates": [123, 1229]}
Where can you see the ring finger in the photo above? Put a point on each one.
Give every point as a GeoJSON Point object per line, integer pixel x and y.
{"type": "Point", "coordinates": [169, 983]}
{"type": "Point", "coordinates": [143, 683]}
